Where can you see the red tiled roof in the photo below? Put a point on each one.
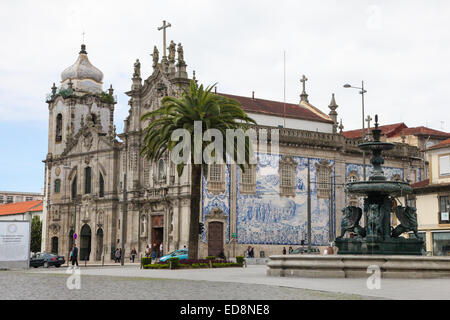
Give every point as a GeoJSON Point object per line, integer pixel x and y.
{"type": "Point", "coordinates": [443, 144]}
{"type": "Point", "coordinates": [420, 184]}
{"type": "Point", "coordinates": [388, 130]}
{"type": "Point", "coordinates": [421, 131]}
{"type": "Point", "coordinates": [276, 108]}
{"type": "Point", "coordinates": [21, 207]}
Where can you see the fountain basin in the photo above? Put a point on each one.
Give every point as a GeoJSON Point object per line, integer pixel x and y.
{"type": "Point", "coordinates": [357, 266]}
{"type": "Point", "coordinates": [393, 188]}
{"type": "Point", "coordinates": [375, 145]}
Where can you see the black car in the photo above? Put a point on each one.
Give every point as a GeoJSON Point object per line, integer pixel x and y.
{"type": "Point", "coordinates": [46, 260]}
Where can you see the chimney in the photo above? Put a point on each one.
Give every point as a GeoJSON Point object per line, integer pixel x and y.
{"type": "Point", "coordinates": [253, 95]}
{"type": "Point", "coordinates": [215, 89]}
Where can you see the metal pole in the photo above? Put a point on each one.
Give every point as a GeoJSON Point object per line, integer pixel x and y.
{"type": "Point", "coordinates": [309, 209]}
{"type": "Point", "coordinates": [124, 212]}
{"type": "Point", "coordinates": [363, 130]}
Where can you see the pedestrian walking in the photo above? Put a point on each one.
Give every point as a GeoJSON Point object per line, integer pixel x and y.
{"type": "Point", "coordinates": [249, 252]}
{"type": "Point", "coordinates": [284, 250]}
{"type": "Point", "coordinates": [252, 252]}
{"type": "Point", "coordinates": [154, 254]}
{"type": "Point", "coordinates": [133, 254]}
{"type": "Point", "coordinates": [74, 255]}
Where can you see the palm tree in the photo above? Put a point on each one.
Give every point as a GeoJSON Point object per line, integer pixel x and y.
{"type": "Point", "coordinates": [214, 112]}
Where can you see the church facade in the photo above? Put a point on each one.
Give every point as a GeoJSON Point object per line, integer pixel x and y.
{"type": "Point", "coordinates": [99, 191]}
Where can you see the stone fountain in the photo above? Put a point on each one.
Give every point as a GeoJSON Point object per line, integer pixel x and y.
{"type": "Point", "coordinates": [376, 245]}
{"type": "Point", "coordinates": [378, 236]}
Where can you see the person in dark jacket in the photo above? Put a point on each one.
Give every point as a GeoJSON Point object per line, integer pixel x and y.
{"type": "Point", "coordinates": [74, 255]}
{"type": "Point", "coordinates": [222, 255]}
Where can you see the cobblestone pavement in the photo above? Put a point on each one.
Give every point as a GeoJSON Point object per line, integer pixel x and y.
{"type": "Point", "coordinates": [52, 286]}
{"type": "Point", "coordinates": [256, 275]}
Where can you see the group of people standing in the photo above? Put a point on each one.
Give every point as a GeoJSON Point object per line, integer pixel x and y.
{"type": "Point", "coordinates": [155, 251]}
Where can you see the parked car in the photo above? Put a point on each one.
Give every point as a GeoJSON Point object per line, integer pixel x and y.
{"type": "Point", "coordinates": [180, 254]}
{"type": "Point", "coordinates": [46, 260]}
{"type": "Point", "coordinates": [302, 250]}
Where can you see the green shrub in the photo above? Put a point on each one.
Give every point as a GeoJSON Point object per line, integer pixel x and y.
{"type": "Point", "coordinates": [156, 266]}
{"type": "Point", "coordinates": [203, 265]}
{"type": "Point", "coordinates": [240, 259]}
{"type": "Point", "coordinates": [146, 260]}
{"type": "Point", "coordinates": [210, 258]}
{"type": "Point", "coordinates": [195, 265]}
{"type": "Point", "coordinates": [106, 97]}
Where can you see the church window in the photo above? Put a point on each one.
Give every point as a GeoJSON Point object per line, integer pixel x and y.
{"type": "Point", "coordinates": [57, 185]}
{"type": "Point", "coordinates": [9, 199]}
{"type": "Point", "coordinates": [74, 187]}
{"type": "Point", "coordinates": [248, 180]}
{"type": "Point", "coordinates": [101, 193]}
{"type": "Point", "coordinates": [58, 132]}
{"type": "Point", "coordinates": [287, 173]}
{"type": "Point", "coordinates": [1, 199]}
{"type": "Point", "coordinates": [161, 170]}
{"type": "Point", "coordinates": [323, 176]}
{"type": "Point", "coordinates": [216, 183]}
{"type": "Point", "coordinates": [87, 180]}
{"type": "Point", "coordinates": [29, 199]}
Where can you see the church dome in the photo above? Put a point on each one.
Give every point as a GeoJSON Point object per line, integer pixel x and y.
{"type": "Point", "coordinates": [83, 74]}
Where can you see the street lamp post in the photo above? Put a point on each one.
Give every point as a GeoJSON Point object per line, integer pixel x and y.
{"type": "Point", "coordinates": [361, 92]}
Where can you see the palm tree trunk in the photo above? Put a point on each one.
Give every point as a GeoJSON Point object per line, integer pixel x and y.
{"type": "Point", "coordinates": [196, 179]}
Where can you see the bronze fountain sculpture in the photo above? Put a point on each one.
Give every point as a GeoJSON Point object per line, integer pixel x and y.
{"type": "Point", "coordinates": [377, 236]}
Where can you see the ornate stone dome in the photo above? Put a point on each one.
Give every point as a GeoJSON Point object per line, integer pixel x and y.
{"type": "Point", "coordinates": [83, 74]}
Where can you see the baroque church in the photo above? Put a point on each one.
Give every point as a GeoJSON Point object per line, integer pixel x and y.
{"type": "Point", "coordinates": [99, 191]}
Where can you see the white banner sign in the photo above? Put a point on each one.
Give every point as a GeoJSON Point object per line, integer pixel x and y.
{"type": "Point", "coordinates": [14, 240]}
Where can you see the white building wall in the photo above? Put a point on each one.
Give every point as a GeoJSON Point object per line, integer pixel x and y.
{"type": "Point", "coordinates": [273, 121]}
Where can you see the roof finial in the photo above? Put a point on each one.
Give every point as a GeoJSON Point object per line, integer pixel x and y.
{"type": "Point", "coordinates": [341, 127]}
{"type": "Point", "coordinates": [304, 95]}
{"type": "Point", "coordinates": [83, 49]}
{"type": "Point", "coordinates": [333, 114]}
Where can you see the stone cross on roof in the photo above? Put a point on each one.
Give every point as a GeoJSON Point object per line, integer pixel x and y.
{"type": "Point", "coordinates": [304, 96]}
{"type": "Point", "coordinates": [163, 28]}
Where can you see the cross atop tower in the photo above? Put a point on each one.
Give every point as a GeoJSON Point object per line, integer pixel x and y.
{"type": "Point", "coordinates": [304, 96]}
{"type": "Point", "coordinates": [163, 28]}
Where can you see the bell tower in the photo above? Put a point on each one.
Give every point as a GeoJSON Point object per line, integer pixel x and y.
{"type": "Point", "coordinates": [78, 100]}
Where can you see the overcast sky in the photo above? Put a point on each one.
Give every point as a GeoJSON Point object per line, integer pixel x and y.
{"type": "Point", "coordinates": [401, 49]}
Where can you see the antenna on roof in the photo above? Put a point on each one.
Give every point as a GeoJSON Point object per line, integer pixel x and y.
{"type": "Point", "coordinates": [284, 89]}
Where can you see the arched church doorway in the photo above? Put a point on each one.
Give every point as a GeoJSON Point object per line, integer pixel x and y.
{"type": "Point", "coordinates": [85, 242]}
{"type": "Point", "coordinates": [215, 238]}
{"type": "Point", "coordinates": [99, 247]}
{"type": "Point", "coordinates": [55, 245]}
